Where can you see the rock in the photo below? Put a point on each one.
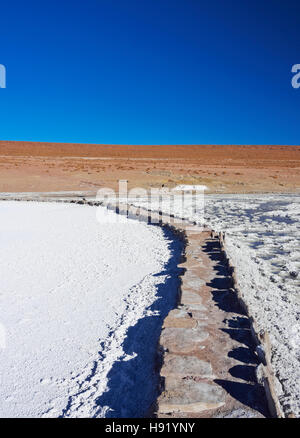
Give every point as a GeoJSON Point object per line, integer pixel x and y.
{"type": "Point", "coordinates": [182, 340]}
{"type": "Point", "coordinates": [188, 396]}
{"type": "Point", "coordinates": [199, 314]}
{"type": "Point", "coordinates": [179, 318]}
{"type": "Point", "coordinates": [188, 297]}
{"type": "Point", "coordinates": [183, 366]}
{"type": "Point", "coordinates": [193, 283]}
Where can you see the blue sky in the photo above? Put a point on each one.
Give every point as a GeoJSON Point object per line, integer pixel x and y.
{"type": "Point", "coordinates": [150, 71]}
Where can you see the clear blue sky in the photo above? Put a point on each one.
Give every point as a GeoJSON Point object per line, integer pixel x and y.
{"type": "Point", "coordinates": [150, 71]}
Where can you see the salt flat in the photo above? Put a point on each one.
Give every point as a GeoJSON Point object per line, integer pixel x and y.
{"type": "Point", "coordinates": [78, 300]}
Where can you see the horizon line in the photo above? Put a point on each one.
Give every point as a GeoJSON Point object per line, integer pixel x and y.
{"type": "Point", "coordinates": [150, 144]}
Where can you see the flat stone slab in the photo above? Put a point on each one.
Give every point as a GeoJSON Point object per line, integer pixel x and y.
{"type": "Point", "coordinates": [183, 366]}
{"type": "Point", "coordinates": [179, 318]}
{"type": "Point", "coordinates": [190, 275]}
{"type": "Point", "coordinates": [193, 249]}
{"type": "Point", "coordinates": [188, 396]}
{"type": "Point", "coordinates": [189, 297]}
{"type": "Point", "coordinates": [194, 253]}
{"type": "Point", "coordinates": [193, 283]}
{"type": "Point", "coordinates": [192, 307]}
{"type": "Point", "coordinates": [182, 340]}
{"type": "Point", "coordinates": [191, 264]}
{"type": "Point", "coordinates": [179, 313]}
{"type": "Point", "coordinates": [199, 314]}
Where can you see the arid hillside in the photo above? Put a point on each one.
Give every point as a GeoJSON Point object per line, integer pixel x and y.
{"type": "Point", "coordinates": [29, 166]}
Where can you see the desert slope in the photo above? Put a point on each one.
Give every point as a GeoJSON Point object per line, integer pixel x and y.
{"type": "Point", "coordinates": [29, 166]}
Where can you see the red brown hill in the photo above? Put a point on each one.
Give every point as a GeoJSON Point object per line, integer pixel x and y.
{"type": "Point", "coordinates": [31, 166]}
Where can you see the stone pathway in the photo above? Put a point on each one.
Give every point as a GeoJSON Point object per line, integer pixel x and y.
{"type": "Point", "coordinates": [207, 351]}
